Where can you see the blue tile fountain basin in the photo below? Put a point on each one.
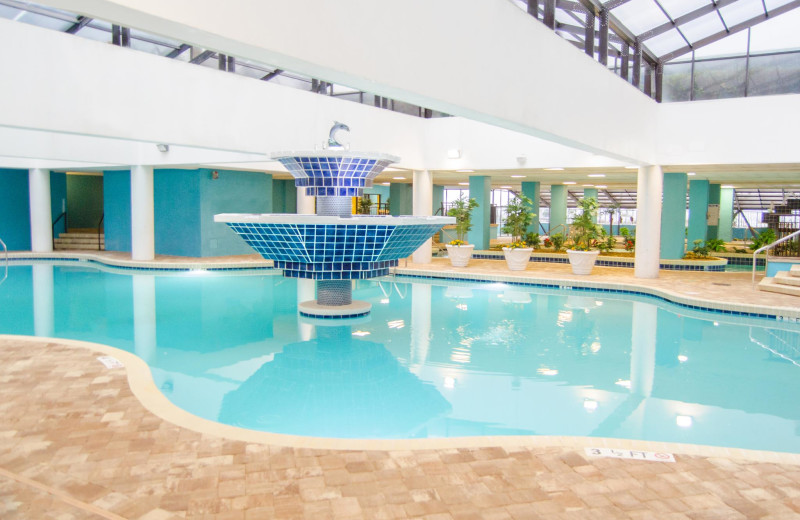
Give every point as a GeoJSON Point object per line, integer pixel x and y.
{"type": "Point", "coordinates": [333, 248]}
{"type": "Point", "coordinates": [340, 173]}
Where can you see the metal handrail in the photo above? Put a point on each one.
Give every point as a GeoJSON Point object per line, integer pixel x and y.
{"type": "Point", "coordinates": [5, 275]}
{"type": "Point", "coordinates": [99, 227]}
{"type": "Point", "coordinates": [767, 248]}
{"type": "Point", "coordinates": [566, 230]}
{"type": "Point", "coordinates": [64, 216]}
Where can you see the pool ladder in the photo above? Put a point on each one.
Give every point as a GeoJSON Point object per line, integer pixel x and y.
{"type": "Point", "coordinates": [5, 249]}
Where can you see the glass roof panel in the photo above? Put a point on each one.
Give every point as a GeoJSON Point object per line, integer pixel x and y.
{"type": "Point", "coordinates": [564, 17]}
{"type": "Point", "coordinates": [702, 27]}
{"type": "Point", "coordinates": [44, 21]}
{"type": "Point", "coordinates": [779, 33]}
{"type": "Point", "coordinates": [91, 33]}
{"type": "Point", "coordinates": [774, 4]}
{"type": "Point", "coordinates": [666, 42]}
{"type": "Point", "coordinates": [677, 8]}
{"type": "Point", "coordinates": [640, 15]}
{"type": "Point", "coordinates": [731, 45]}
{"type": "Point", "coordinates": [741, 11]}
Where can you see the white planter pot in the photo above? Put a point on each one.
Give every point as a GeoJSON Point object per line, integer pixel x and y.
{"type": "Point", "coordinates": [582, 262]}
{"type": "Point", "coordinates": [459, 255]}
{"type": "Point", "coordinates": [517, 258]}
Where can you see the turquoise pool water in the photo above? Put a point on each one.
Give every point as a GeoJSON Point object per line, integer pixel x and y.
{"type": "Point", "coordinates": [433, 360]}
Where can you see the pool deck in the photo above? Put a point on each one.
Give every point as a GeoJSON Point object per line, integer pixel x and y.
{"type": "Point", "coordinates": [78, 440]}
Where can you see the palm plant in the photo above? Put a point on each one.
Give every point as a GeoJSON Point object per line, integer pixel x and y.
{"type": "Point", "coordinates": [462, 211]}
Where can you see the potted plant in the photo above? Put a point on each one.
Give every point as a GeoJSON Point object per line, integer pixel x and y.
{"type": "Point", "coordinates": [583, 233]}
{"type": "Point", "coordinates": [518, 218]}
{"type": "Point", "coordinates": [458, 251]}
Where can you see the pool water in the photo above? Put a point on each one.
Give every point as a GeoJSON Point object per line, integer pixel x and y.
{"type": "Point", "coordinates": [434, 359]}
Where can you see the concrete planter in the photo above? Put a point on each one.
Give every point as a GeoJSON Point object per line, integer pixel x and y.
{"type": "Point", "coordinates": [582, 262]}
{"type": "Point", "coordinates": [459, 255]}
{"type": "Point", "coordinates": [517, 258]}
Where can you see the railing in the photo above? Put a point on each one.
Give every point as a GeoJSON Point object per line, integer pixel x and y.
{"type": "Point", "coordinates": [99, 228]}
{"type": "Point", "coordinates": [64, 216]}
{"type": "Point", "coordinates": [5, 249]}
{"type": "Point", "coordinates": [767, 248]}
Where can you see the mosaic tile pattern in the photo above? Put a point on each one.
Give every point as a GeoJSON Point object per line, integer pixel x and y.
{"type": "Point", "coordinates": [334, 176]}
{"type": "Point", "coordinates": [334, 251]}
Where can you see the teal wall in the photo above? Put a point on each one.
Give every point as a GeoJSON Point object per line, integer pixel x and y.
{"type": "Point", "coordinates": [480, 189]}
{"type": "Point", "coordinates": [558, 208]}
{"type": "Point", "coordinates": [673, 216]}
{"type": "Point", "coordinates": [725, 230]}
{"type": "Point", "coordinates": [438, 198]}
{"type": "Point", "coordinates": [698, 206]}
{"type": "Point", "coordinates": [401, 199]}
{"type": "Point", "coordinates": [84, 201]}
{"type": "Point", "coordinates": [232, 192]}
{"type": "Point", "coordinates": [15, 219]}
{"type": "Point", "coordinates": [58, 200]}
{"type": "Point", "coordinates": [713, 198]}
{"type": "Point", "coordinates": [532, 190]}
{"type": "Point", "coordinates": [284, 196]}
{"type": "Point", "coordinates": [176, 207]}
{"type": "Point", "coordinates": [117, 208]}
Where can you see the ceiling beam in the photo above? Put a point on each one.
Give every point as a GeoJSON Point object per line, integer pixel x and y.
{"type": "Point", "coordinates": [203, 56]}
{"type": "Point", "coordinates": [272, 74]}
{"type": "Point", "coordinates": [580, 31]}
{"type": "Point", "coordinates": [83, 21]}
{"type": "Point", "coordinates": [619, 29]}
{"type": "Point", "coordinates": [688, 17]}
{"type": "Point", "coordinates": [733, 30]}
{"type": "Point", "coordinates": [611, 4]}
{"type": "Point", "coordinates": [180, 50]}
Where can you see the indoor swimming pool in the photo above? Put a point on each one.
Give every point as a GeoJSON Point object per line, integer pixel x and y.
{"type": "Point", "coordinates": [434, 359]}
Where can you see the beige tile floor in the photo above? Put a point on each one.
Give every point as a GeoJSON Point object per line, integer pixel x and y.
{"type": "Point", "coordinates": [75, 442]}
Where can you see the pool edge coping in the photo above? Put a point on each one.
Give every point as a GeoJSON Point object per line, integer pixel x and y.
{"type": "Point", "coordinates": [143, 387]}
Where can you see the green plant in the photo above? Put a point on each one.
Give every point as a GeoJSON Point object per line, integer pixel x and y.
{"type": "Point", "coordinates": [557, 239]}
{"type": "Point", "coordinates": [518, 217]}
{"type": "Point", "coordinates": [607, 243]}
{"type": "Point", "coordinates": [462, 211]}
{"type": "Point", "coordinates": [533, 240]}
{"type": "Point", "coordinates": [629, 241]}
{"type": "Point", "coordinates": [584, 231]}
{"type": "Point", "coordinates": [715, 244]}
{"type": "Point", "coordinates": [364, 205]}
{"type": "Point", "coordinates": [764, 238]}
{"type": "Point", "coordinates": [699, 250]}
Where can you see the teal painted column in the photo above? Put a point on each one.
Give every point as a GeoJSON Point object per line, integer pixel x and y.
{"type": "Point", "coordinates": [713, 198]}
{"type": "Point", "coordinates": [558, 209]}
{"type": "Point", "coordinates": [725, 230]}
{"type": "Point", "coordinates": [673, 216]}
{"type": "Point", "coordinates": [400, 202]}
{"type": "Point", "coordinates": [438, 198]}
{"type": "Point", "coordinates": [591, 192]}
{"type": "Point", "coordinates": [698, 206]}
{"type": "Point", "coordinates": [532, 190]}
{"type": "Point", "coordinates": [480, 190]}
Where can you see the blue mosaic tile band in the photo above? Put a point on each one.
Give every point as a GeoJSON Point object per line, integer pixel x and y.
{"type": "Point", "coordinates": [334, 251]}
{"type": "Point", "coordinates": [334, 176]}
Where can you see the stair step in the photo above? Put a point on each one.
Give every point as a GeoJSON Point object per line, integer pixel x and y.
{"type": "Point", "coordinates": [770, 285]}
{"type": "Point", "coordinates": [78, 241]}
{"type": "Point", "coordinates": [78, 247]}
{"type": "Point", "coordinates": [786, 278]}
{"type": "Point", "coordinates": [794, 270]}
{"type": "Point", "coordinates": [78, 235]}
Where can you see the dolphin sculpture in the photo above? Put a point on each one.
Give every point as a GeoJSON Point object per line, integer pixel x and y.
{"type": "Point", "coordinates": [332, 142]}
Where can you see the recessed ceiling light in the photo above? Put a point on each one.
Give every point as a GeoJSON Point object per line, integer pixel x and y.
{"type": "Point", "coordinates": [631, 167]}
{"type": "Point", "coordinates": [569, 182]}
{"type": "Point", "coordinates": [601, 186]}
{"type": "Point", "coordinates": [386, 183]}
{"type": "Point", "coordinates": [506, 187]}
{"type": "Point", "coordinates": [587, 185]}
{"type": "Point", "coordinates": [465, 171]}
{"type": "Point", "coordinates": [596, 175]}
{"type": "Point", "coordinates": [554, 169]}
{"type": "Point", "coordinates": [518, 176]}
{"type": "Point", "coordinates": [399, 178]}
{"type": "Point", "coordinates": [463, 184]}
{"type": "Point", "coordinates": [691, 173]}
{"type": "Point", "coordinates": [727, 186]}
{"type": "Point", "coordinates": [392, 169]}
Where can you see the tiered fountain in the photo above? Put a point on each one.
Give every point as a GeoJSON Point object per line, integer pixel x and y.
{"type": "Point", "coordinates": [333, 247]}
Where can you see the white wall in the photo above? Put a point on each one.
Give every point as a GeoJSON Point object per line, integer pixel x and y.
{"type": "Point", "coordinates": [485, 60]}
{"type": "Point", "coordinates": [753, 130]}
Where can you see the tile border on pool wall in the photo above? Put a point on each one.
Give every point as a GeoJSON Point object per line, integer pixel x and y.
{"type": "Point", "coordinates": [141, 383]}
{"type": "Point", "coordinates": [755, 311]}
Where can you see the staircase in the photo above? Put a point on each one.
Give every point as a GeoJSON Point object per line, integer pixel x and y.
{"type": "Point", "coordinates": [784, 282]}
{"type": "Point", "coordinates": [80, 240]}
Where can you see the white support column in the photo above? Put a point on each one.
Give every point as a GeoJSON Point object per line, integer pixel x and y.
{"type": "Point", "coordinates": [648, 221]}
{"type": "Point", "coordinates": [305, 203]}
{"type": "Point", "coordinates": [422, 206]}
{"type": "Point", "coordinates": [41, 213]}
{"type": "Point", "coordinates": [142, 213]}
